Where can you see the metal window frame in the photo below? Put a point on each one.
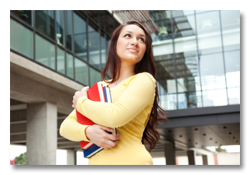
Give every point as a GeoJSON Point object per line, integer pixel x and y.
{"type": "Point", "coordinates": [223, 56]}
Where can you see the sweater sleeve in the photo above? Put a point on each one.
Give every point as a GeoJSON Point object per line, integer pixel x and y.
{"type": "Point", "coordinates": [140, 92]}
{"type": "Point", "coordinates": [72, 130]}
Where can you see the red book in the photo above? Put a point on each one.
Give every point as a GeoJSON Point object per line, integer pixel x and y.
{"type": "Point", "coordinates": [95, 93]}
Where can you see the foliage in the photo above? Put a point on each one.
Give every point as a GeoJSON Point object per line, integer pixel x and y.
{"type": "Point", "coordinates": [22, 13]}
{"type": "Point", "coordinates": [219, 149]}
{"type": "Point", "coordinates": [21, 159]}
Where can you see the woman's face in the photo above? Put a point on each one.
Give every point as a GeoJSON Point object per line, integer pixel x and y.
{"type": "Point", "coordinates": [131, 44]}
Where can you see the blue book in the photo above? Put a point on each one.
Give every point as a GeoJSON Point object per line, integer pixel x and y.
{"type": "Point", "coordinates": [92, 150]}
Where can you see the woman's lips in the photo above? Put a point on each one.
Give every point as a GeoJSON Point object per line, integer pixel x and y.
{"type": "Point", "coordinates": [132, 50]}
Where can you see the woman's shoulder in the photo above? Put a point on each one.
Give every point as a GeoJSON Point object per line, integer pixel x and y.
{"type": "Point", "coordinates": [142, 77]}
{"type": "Point", "coordinates": [146, 76]}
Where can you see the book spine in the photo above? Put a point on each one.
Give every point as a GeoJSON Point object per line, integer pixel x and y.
{"type": "Point", "coordinates": [105, 93]}
{"type": "Point", "coordinates": [101, 92]}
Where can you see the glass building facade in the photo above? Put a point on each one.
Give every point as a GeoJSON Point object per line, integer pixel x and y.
{"type": "Point", "coordinates": [71, 43]}
{"type": "Point", "coordinates": [197, 53]}
{"type": "Point", "coordinates": [197, 57]}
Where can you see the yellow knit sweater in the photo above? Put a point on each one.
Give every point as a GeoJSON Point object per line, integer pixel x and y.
{"type": "Point", "coordinates": [132, 102]}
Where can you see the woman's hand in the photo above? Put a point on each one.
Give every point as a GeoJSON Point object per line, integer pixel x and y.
{"type": "Point", "coordinates": [98, 135]}
{"type": "Point", "coordinates": [79, 94]}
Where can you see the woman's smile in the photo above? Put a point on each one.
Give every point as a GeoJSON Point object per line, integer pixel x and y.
{"type": "Point", "coordinates": [133, 50]}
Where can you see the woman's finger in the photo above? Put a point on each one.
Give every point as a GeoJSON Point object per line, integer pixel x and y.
{"type": "Point", "coordinates": [107, 129]}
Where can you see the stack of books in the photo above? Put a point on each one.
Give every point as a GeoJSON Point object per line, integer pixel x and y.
{"type": "Point", "coordinates": [101, 93]}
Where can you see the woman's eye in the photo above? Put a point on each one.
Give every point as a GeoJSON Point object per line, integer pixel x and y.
{"type": "Point", "coordinates": [127, 35]}
{"type": "Point", "coordinates": [142, 39]}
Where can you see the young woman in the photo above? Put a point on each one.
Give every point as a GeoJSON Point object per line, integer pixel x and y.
{"type": "Point", "coordinates": [134, 110]}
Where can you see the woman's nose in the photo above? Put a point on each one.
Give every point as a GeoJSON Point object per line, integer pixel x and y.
{"type": "Point", "coordinates": [134, 41]}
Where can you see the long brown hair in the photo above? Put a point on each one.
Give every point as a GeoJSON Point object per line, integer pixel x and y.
{"type": "Point", "coordinates": [151, 134]}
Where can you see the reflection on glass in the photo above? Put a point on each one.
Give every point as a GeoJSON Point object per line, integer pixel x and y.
{"type": "Point", "coordinates": [212, 71]}
{"type": "Point", "coordinates": [59, 27]}
{"type": "Point", "coordinates": [60, 61]}
{"type": "Point", "coordinates": [94, 46]}
{"type": "Point", "coordinates": [230, 20]}
{"type": "Point", "coordinates": [45, 22]}
{"type": "Point", "coordinates": [167, 101]}
{"type": "Point", "coordinates": [163, 51]}
{"type": "Point", "coordinates": [185, 46]}
{"type": "Point", "coordinates": [21, 39]}
{"type": "Point", "coordinates": [95, 76]}
{"type": "Point", "coordinates": [103, 52]}
{"type": "Point", "coordinates": [80, 37]}
{"type": "Point", "coordinates": [165, 75]}
{"type": "Point", "coordinates": [107, 45]}
{"type": "Point", "coordinates": [162, 19]}
{"type": "Point", "coordinates": [69, 66]}
{"type": "Point", "coordinates": [209, 32]}
{"type": "Point", "coordinates": [81, 72]}
{"type": "Point", "coordinates": [176, 13]}
{"type": "Point", "coordinates": [187, 74]}
{"type": "Point", "coordinates": [234, 95]}
{"type": "Point", "coordinates": [69, 33]}
{"type": "Point", "coordinates": [45, 52]}
{"type": "Point", "coordinates": [184, 26]}
{"type": "Point", "coordinates": [201, 11]}
{"type": "Point", "coordinates": [214, 98]}
{"type": "Point", "coordinates": [232, 62]}
{"type": "Point", "coordinates": [189, 100]}
{"type": "Point", "coordinates": [24, 15]}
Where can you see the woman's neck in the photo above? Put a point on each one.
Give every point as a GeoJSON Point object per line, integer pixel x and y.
{"type": "Point", "coordinates": [125, 72]}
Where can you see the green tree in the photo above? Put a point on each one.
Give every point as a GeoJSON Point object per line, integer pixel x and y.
{"type": "Point", "coordinates": [219, 149]}
{"type": "Point", "coordinates": [21, 159]}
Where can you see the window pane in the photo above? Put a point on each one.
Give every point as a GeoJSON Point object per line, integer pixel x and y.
{"type": "Point", "coordinates": [59, 27]}
{"type": "Point", "coordinates": [163, 51]}
{"type": "Point", "coordinates": [202, 11]}
{"type": "Point", "coordinates": [103, 52]}
{"type": "Point", "coordinates": [80, 37]}
{"type": "Point", "coordinates": [45, 52]}
{"type": "Point", "coordinates": [69, 34]}
{"type": "Point", "coordinates": [212, 71]}
{"type": "Point", "coordinates": [60, 61]}
{"type": "Point", "coordinates": [232, 62]}
{"type": "Point", "coordinates": [230, 20]}
{"type": "Point", "coordinates": [162, 19]}
{"type": "Point", "coordinates": [69, 65]}
{"type": "Point", "coordinates": [21, 39]}
{"type": "Point", "coordinates": [94, 46]}
{"type": "Point", "coordinates": [167, 101]}
{"type": "Point", "coordinates": [184, 26]}
{"type": "Point", "coordinates": [95, 76]}
{"type": "Point", "coordinates": [234, 95]}
{"type": "Point", "coordinates": [214, 98]}
{"type": "Point", "coordinates": [185, 39]}
{"type": "Point", "coordinates": [45, 22]}
{"type": "Point", "coordinates": [187, 73]}
{"type": "Point", "coordinates": [107, 45]}
{"type": "Point", "coordinates": [24, 15]}
{"type": "Point", "coordinates": [81, 72]}
{"type": "Point", "coordinates": [209, 32]}
{"type": "Point", "coordinates": [176, 13]}
{"type": "Point", "coordinates": [165, 75]}
{"type": "Point", "coordinates": [189, 100]}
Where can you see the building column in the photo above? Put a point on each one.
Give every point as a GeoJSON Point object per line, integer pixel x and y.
{"type": "Point", "coordinates": [71, 157]}
{"type": "Point", "coordinates": [169, 149]}
{"type": "Point", "coordinates": [204, 160]}
{"type": "Point", "coordinates": [41, 136]}
{"type": "Point", "coordinates": [191, 157]}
